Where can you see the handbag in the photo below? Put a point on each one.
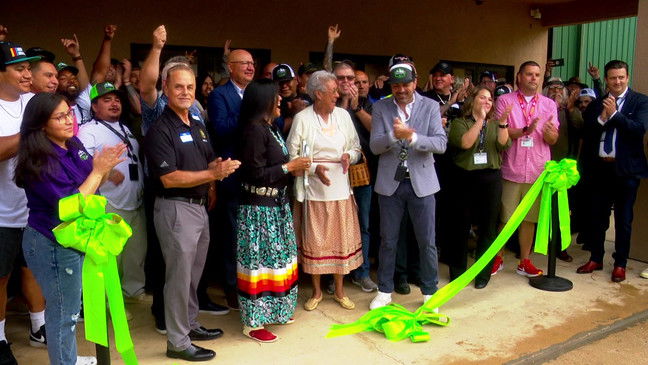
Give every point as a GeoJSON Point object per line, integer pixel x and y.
{"type": "Point", "coordinates": [359, 173]}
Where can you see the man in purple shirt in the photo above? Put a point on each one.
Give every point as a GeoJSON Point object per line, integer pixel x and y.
{"type": "Point", "coordinates": [533, 128]}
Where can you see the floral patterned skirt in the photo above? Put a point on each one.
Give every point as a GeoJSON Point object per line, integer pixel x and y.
{"type": "Point", "coordinates": [266, 265]}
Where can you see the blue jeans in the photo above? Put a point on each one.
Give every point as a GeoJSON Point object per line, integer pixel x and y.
{"type": "Point", "coordinates": [362, 196]}
{"type": "Point", "coordinates": [58, 272]}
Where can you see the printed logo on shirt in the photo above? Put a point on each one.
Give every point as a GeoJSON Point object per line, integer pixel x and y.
{"type": "Point", "coordinates": [83, 155]}
{"type": "Point", "coordinates": [164, 164]}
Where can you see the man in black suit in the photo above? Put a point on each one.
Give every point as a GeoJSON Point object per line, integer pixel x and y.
{"type": "Point", "coordinates": [612, 162]}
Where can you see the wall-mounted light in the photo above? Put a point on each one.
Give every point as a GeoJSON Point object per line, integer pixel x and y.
{"type": "Point", "coordinates": [535, 13]}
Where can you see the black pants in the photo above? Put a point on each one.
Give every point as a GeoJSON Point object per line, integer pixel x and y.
{"type": "Point", "coordinates": [477, 198]}
{"type": "Point", "coordinates": [604, 189]}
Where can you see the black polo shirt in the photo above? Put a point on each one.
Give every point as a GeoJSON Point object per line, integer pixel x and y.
{"type": "Point", "coordinates": [172, 145]}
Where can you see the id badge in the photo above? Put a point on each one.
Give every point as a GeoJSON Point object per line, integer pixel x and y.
{"type": "Point", "coordinates": [527, 142]}
{"type": "Point", "coordinates": [480, 158]}
{"type": "Point", "coordinates": [186, 137]}
{"type": "Point", "coordinates": [401, 172]}
{"type": "Point", "coordinates": [133, 171]}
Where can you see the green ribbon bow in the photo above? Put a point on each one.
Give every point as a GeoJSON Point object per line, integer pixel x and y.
{"type": "Point", "coordinates": [398, 323]}
{"type": "Point", "coordinates": [87, 228]}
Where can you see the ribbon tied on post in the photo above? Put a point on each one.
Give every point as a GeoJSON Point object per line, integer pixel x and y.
{"type": "Point", "coordinates": [89, 229]}
{"type": "Point", "coordinates": [398, 323]}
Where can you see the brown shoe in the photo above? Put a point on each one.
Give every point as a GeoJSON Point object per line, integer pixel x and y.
{"type": "Point", "coordinates": [589, 267]}
{"type": "Point", "coordinates": [618, 274]}
{"type": "Point", "coordinates": [564, 256]}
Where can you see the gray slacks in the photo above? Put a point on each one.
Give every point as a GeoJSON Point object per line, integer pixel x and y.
{"type": "Point", "coordinates": [421, 211]}
{"type": "Point", "coordinates": [183, 231]}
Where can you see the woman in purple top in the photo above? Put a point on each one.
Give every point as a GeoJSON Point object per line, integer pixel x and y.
{"type": "Point", "coordinates": [51, 165]}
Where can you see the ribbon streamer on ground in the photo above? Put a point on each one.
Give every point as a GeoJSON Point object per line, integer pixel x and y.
{"type": "Point", "coordinates": [87, 228]}
{"type": "Point", "coordinates": [398, 323]}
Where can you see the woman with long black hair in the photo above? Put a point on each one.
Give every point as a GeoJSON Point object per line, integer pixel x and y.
{"type": "Point", "coordinates": [267, 249]}
{"type": "Point", "coordinates": [52, 164]}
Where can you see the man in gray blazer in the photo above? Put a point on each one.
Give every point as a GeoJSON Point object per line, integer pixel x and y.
{"type": "Point", "coordinates": [406, 131]}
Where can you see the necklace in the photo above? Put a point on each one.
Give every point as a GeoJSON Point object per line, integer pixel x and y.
{"type": "Point", "coordinates": [19, 113]}
{"type": "Point", "coordinates": [441, 101]}
{"type": "Point", "coordinates": [279, 140]}
{"type": "Point", "coordinates": [328, 129]}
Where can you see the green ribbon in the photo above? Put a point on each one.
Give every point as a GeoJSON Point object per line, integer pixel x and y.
{"type": "Point", "coordinates": [87, 228]}
{"type": "Point", "coordinates": [398, 323]}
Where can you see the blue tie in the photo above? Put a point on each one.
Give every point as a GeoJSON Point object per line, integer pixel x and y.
{"type": "Point", "coordinates": [607, 141]}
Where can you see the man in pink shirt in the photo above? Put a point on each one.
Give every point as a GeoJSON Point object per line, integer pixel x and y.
{"type": "Point", "coordinates": [533, 127]}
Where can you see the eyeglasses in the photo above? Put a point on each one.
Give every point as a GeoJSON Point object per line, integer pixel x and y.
{"type": "Point", "coordinates": [245, 63]}
{"type": "Point", "coordinates": [64, 117]}
{"type": "Point", "coordinates": [348, 77]}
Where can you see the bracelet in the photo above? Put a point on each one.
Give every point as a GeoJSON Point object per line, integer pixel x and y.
{"type": "Point", "coordinates": [77, 58]}
{"type": "Point", "coordinates": [284, 168]}
{"type": "Point", "coordinates": [505, 125]}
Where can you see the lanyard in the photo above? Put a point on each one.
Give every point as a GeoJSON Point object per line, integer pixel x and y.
{"type": "Point", "coordinates": [482, 136]}
{"type": "Point", "coordinates": [524, 107]}
{"type": "Point", "coordinates": [124, 137]}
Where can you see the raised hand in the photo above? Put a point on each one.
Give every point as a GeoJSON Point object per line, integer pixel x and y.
{"type": "Point", "coordinates": [223, 168]}
{"type": "Point", "coordinates": [226, 47]}
{"type": "Point", "coordinates": [109, 31]}
{"type": "Point", "coordinates": [159, 37]}
{"type": "Point", "coordinates": [333, 33]}
{"type": "Point", "coordinates": [108, 158]}
{"type": "Point", "coordinates": [609, 107]}
{"type": "Point", "coordinates": [593, 71]}
{"type": "Point", "coordinates": [4, 32]}
{"type": "Point", "coordinates": [71, 46]}
{"type": "Point", "coordinates": [549, 130]}
{"type": "Point", "coordinates": [402, 131]}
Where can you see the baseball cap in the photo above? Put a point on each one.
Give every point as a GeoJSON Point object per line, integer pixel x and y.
{"type": "Point", "coordinates": [283, 72]}
{"type": "Point", "coordinates": [501, 90]}
{"type": "Point", "coordinates": [401, 73]}
{"type": "Point", "coordinates": [308, 68]}
{"type": "Point", "coordinates": [64, 66]}
{"type": "Point", "coordinates": [43, 53]}
{"type": "Point", "coordinates": [442, 67]}
{"type": "Point", "coordinates": [102, 89]}
{"type": "Point", "coordinates": [490, 75]}
{"type": "Point", "coordinates": [399, 58]}
{"type": "Point", "coordinates": [588, 92]}
{"type": "Point", "coordinates": [11, 53]}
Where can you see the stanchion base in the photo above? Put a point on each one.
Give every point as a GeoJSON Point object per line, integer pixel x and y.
{"type": "Point", "coordinates": [554, 283]}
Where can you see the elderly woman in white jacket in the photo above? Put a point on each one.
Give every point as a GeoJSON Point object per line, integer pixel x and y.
{"type": "Point", "coordinates": [326, 219]}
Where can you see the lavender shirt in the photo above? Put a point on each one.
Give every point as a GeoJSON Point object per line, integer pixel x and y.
{"type": "Point", "coordinates": [62, 177]}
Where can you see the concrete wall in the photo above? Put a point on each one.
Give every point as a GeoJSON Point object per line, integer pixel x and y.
{"type": "Point", "coordinates": [499, 32]}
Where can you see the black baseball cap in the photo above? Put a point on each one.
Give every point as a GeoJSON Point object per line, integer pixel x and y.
{"type": "Point", "coordinates": [442, 67]}
{"type": "Point", "coordinates": [401, 73]}
{"type": "Point", "coordinates": [490, 75]}
{"type": "Point", "coordinates": [11, 53]}
{"type": "Point", "coordinates": [283, 72]}
{"type": "Point", "coordinates": [501, 90]}
{"type": "Point", "coordinates": [102, 89]}
{"type": "Point", "coordinates": [43, 53]}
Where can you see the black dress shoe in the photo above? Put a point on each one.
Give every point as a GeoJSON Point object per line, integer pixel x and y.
{"type": "Point", "coordinates": [402, 287]}
{"type": "Point", "coordinates": [480, 283]}
{"type": "Point", "coordinates": [192, 353]}
{"type": "Point", "coordinates": [203, 334]}
{"type": "Point", "coordinates": [210, 307]}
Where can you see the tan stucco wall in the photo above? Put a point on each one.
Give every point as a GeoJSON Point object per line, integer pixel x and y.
{"type": "Point", "coordinates": [499, 32]}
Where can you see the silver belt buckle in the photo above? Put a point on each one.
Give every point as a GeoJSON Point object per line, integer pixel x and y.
{"type": "Point", "coordinates": [261, 191]}
{"type": "Point", "coordinates": [273, 192]}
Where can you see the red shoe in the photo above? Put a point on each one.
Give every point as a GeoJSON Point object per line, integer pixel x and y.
{"type": "Point", "coordinates": [498, 265]}
{"type": "Point", "coordinates": [618, 274]}
{"type": "Point", "coordinates": [527, 269]}
{"type": "Point", "coordinates": [260, 334]}
{"type": "Point", "coordinates": [589, 267]}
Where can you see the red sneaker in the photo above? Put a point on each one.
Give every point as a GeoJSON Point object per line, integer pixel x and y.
{"type": "Point", "coordinates": [498, 265]}
{"type": "Point", "coordinates": [527, 269]}
{"type": "Point", "coordinates": [261, 334]}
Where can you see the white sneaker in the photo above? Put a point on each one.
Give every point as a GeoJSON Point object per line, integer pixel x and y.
{"type": "Point", "coordinates": [86, 360]}
{"type": "Point", "coordinates": [426, 297]}
{"type": "Point", "coordinates": [381, 300]}
{"type": "Point", "coordinates": [644, 274]}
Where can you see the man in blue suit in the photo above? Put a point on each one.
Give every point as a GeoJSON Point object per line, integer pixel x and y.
{"type": "Point", "coordinates": [612, 164]}
{"type": "Point", "coordinates": [224, 104]}
{"type": "Point", "coordinates": [406, 131]}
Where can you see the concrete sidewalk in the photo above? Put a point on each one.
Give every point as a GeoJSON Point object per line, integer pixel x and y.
{"type": "Point", "coordinates": [506, 321]}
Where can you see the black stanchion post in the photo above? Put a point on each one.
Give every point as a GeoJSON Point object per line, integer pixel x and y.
{"type": "Point", "coordinates": [551, 282]}
{"type": "Point", "coordinates": [103, 353]}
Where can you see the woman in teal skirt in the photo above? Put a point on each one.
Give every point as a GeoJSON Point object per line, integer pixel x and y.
{"type": "Point", "coordinates": [267, 250]}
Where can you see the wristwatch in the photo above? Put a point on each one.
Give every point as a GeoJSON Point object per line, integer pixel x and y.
{"type": "Point", "coordinates": [505, 125]}
{"type": "Point", "coordinates": [357, 109]}
{"type": "Point", "coordinates": [525, 130]}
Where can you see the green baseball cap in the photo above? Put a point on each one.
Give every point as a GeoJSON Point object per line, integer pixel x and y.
{"type": "Point", "coordinates": [102, 89]}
